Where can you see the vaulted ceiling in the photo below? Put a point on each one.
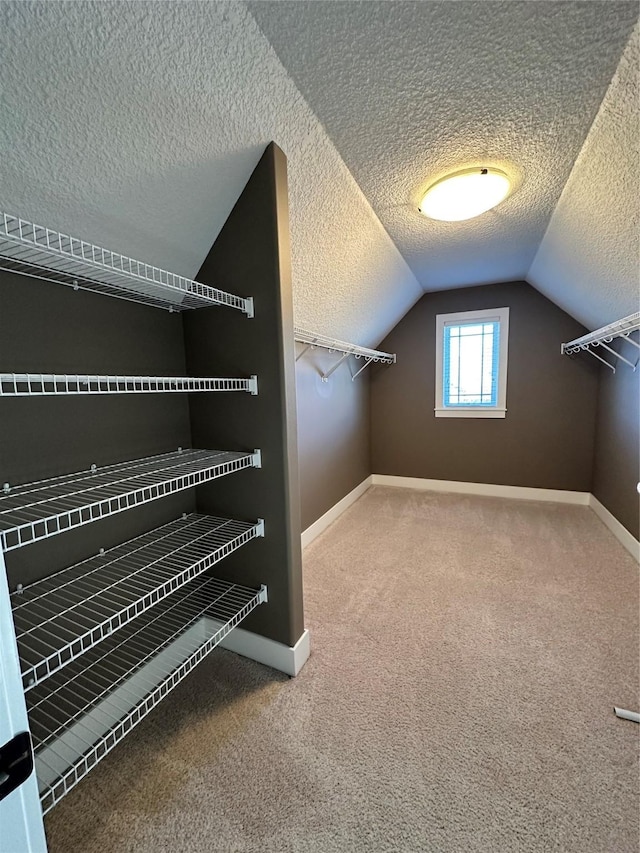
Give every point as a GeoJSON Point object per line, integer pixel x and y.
{"type": "Point", "coordinates": [409, 91]}
{"type": "Point", "coordinates": [135, 125]}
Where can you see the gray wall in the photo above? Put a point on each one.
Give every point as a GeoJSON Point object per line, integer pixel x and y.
{"type": "Point", "coordinates": [547, 437]}
{"type": "Point", "coordinates": [251, 256]}
{"type": "Point", "coordinates": [333, 432]}
{"type": "Point", "coordinates": [48, 328]}
{"type": "Point", "coordinates": [616, 462]}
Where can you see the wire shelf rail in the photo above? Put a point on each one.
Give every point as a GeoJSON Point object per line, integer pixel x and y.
{"type": "Point", "coordinates": [603, 337]}
{"type": "Point", "coordinates": [59, 618]}
{"type": "Point", "coordinates": [311, 340]}
{"type": "Point", "coordinates": [79, 714]}
{"type": "Point", "coordinates": [40, 252]}
{"type": "Point", "coordinates": [38, 510]}
{"type": "Point", "coordinates": [50, 384]}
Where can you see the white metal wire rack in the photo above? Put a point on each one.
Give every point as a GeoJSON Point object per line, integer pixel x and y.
{"type": "Point", "coordinates": [49, 384]}
{"type": "Point", "coordinates": [38, 510]}
{"type": "Point", "coordinates": [40, 252]}
{"type": "Point", "coordinates": [79, 714]}
{"type": "Point", "coordinates": [603, 337]}
{"type": "Point", "coordinates": [59, 618]}
{"type": "Point", "coordinates": [311, 340]}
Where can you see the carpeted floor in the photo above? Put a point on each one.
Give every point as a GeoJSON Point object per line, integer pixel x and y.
{"type": "Point", "coordinates": [466, 656]}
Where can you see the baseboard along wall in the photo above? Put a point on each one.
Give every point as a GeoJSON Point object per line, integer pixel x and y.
{"type": "Point", "coordinates": [287, 659]}
{"type": "Point", "coordinates": [485, 489]}
{"type": "Point", "coordinates": [619, 530]}
{"type": "Point", "coordinates": [490, 490]}
{"type": "Point", "coordinates": [314, 530]}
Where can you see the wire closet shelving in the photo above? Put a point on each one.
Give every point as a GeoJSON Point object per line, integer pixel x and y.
{"type": "Point", "coordinates": [311, 340]}
{"type": "Point", "coordinates": [84, 710]}
{"type": "Point", "coordinates": [43, 253]}
{"type": "Point", "coordinates": [102, 642]}
{"type": "Point", "coordinates": [62, 616]}
{"type": "Point", "coordinates": [56, 384]}
{"type": "Point", "coordinates": [603, 337]}
{"type": "Point", "coordinates": [38, 510]}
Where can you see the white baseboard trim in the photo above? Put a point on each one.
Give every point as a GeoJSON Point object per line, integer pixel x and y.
{"type": "Point", "coordinates": [287, 659]}
{"type": "Point", "coordinates": [619, 530]}
{"type": "Point", "coordinates": [486, 489]}
{"type": "Point", "coordinates": [319, 526]}
{"type": "Point", "coordinates": [491, 490]}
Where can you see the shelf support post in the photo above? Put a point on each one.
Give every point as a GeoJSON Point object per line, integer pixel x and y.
{"type": "Point", "coordinates": [595, 355]}
{"type": "Point", "coordinates": [358, 372]}
{"type": "Point", "coordinates": [303, 351]}
{"type": "Point", "coordinates": [630, 340]}
{"type": "Point", "coordinates": [334, 367]}
{"type": "Point", "coordinates": [617, 355]}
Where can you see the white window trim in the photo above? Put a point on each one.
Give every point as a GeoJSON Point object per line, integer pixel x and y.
{"type": "Point", "coordinates": [487, 315]}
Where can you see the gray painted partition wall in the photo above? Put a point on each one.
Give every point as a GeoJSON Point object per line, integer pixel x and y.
{"type": "Point", "coordinates": [251, 257]}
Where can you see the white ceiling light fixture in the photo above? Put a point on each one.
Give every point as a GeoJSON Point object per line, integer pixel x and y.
{"type": "Point", "coordinates": [465, 194]}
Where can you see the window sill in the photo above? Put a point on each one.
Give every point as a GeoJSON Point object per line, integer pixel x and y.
{"type": "Point", "coordinates": [471, 413]}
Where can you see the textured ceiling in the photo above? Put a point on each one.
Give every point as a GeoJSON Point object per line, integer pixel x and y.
{"type": "Point", "coordinates": [408, 91]}
{"type": "Point", "coordinates": [136, 125]}
{"type": "Point", "coordinates": [592, 245]}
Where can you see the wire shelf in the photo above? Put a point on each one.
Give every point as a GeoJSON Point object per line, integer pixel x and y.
{"type": "Point", "coordinates": [38, 510]}
{"type": "Point", "coordinates": [313, 340]}
{"type": "Point", "coordinates": [621, 328]}
{"type": "Point", "coordinates": [50, 384]}
{"type": "Point", "coordinates": [334, 345]}
{"type": "Point", "coordinates": [62, 616]}
{"type": "Point", "coordinates": [79, 714]}
{"type": "Point", "coordinates": [40, 252]}
{"type": "Point", "coordinates": [602, 338]}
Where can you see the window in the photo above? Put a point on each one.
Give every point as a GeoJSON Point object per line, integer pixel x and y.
{"type": "Point", "coordinates": [471, 364]}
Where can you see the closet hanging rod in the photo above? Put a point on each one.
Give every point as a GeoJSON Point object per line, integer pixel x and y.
{"type": "Point", "coordinates": [621, 328]}
{"type": "Point", "coordinates": [49, 384]}
{"type": "Point", "coordinates": [62, 616]}
{"type": "Point", "coordinates": [333, 344]}
{"type": "Point", "coordinates": [311, 340]}
{"type": "Point", "coordinates": [40, 252]}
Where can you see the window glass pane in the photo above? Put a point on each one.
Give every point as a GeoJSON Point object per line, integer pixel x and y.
{"type": "Point", "coordinates": [454, 362]}
{"type": "Point", "coordinates": [470, 375]}
{"type": "Point", "coordinates": [468, 329]}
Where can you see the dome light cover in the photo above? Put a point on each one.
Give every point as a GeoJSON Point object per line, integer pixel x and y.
{"type": "Point", "coordinates": [465, 194]}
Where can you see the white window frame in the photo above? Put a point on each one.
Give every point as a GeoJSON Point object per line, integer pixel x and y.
{"type": "Point", "coordinates": [489, 315]}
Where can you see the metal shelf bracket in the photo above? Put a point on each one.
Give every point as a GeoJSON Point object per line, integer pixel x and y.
{"type": "Point", "coordinates": [358, 372]}
{"type": "Point", "coordinates": [312, 341]}
{"type": "Point", "coordinates": [603, 337]}
{"type": "Point", "coordinates": [334, 367]}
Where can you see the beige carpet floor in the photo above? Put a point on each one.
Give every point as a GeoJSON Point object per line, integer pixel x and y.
{"type": "Point", "coordinates": [467, 654]}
